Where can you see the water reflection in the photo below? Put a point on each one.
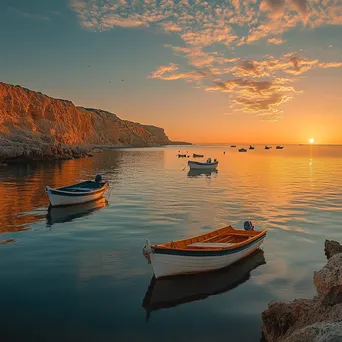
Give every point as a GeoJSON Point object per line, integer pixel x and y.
{"type": "Point", "coordinates": [5, 242]}
{"type": "Point", "coordinates": [200, 173]}
{"type": "Point", "coordinates": [172, 291]}
{"type": "Point", "coordinates": [23, 200]}
{"type": "Point", "coordinates": [67, 214]}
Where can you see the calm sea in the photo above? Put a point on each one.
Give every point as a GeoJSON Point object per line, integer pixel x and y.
{"type": "Point", "coordinates": [78, 274]}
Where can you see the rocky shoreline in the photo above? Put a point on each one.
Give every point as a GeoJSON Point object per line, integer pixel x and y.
{"type": "Point", "coordinates": [310, 320]}
{"type": "Point", "coordinates": [37, 127]}
{"type": "Point", "coordinates": [11, 152]}
{"type": "Point", "coordinates": [23, 152]}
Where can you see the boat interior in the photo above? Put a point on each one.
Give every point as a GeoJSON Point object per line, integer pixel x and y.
{"type": "Point", "coordinates": [83, 186]}
{"type": "Point", "coordinates": [223, 238]}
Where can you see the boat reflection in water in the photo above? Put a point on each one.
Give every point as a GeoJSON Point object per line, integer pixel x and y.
{"type": "Point", "coordinates": [198, 173]}
{"type": "Point", "coordinates": [67, 214]}
{"type": "Point", "coordinates": [172, 291]}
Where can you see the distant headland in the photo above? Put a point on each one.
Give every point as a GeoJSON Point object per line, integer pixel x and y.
{"type": "Point", "coordinates": [34, 126]}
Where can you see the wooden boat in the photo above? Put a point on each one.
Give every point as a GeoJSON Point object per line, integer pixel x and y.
{"type": "Point", "coordinates": [77, 193]}
{"type": "Point", "coordinates": [251, 147]}
{"type": "Point", "coordinates": [172, 291]}
{"type": "Point", "coordinates": [206, 252]}
{"type": "Point", "coordinates": [279, 147]}
{"type": "Point", "coordinates": [267, 147]}
{"type": "Point", "coordinates": [181, 155]}
{"type": "Point", "coordinates": [242, 150]}
{"type": "Point", "coordinates": [208, 165]}
{"type": "Point", "coordinates": [233, 146]}
{"type": "Point", "coordinates": [67, 214]}
{"type": "Point", "coordinates": [197, 155]}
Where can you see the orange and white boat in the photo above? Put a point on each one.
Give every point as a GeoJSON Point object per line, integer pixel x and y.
{"type": "Point", "coordinates": [207, 252]}
{"type": "Point", "coordinates": [168, 292]}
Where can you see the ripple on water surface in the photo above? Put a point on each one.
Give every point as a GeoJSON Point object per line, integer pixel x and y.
{"type": "Point", "coordinates": [78, 274]}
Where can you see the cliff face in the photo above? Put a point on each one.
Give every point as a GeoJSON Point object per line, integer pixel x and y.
{"type": "Point", "coordinates": [33, 121]}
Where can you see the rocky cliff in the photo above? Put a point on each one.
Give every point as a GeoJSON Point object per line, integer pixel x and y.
{"type": "Point", "coordinates": [36, 126]}
{"type": "Point", "coordinates": [311, 320]}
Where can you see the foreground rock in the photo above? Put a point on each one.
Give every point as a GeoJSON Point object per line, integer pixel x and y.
{"type": "Point", "coordinates": [312, 320]}
{"type": "Point", "coordinates": [331, 248]}
{"type": "Point", "coordinates": [34, 126]}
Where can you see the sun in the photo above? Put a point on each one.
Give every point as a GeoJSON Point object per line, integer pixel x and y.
{"type": "Point", "coordinates": [311, 140]}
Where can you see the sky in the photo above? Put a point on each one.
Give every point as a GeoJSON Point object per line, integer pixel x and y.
{"type": "Point", "coordinates": [243, 71]}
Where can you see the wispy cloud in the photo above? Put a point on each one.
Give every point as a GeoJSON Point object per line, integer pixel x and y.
{"type": "Point", "coordinates": [210, 33]}
{"type": "Point", "coordinates": [278, 7]}
{"type": "Point", "coordinates": [29, 15]}
{"type": "Point", "coordinates": [276, 40]}
{"type": "Point", "coordinates": [260, 97]}
{"type": "Point", "coordinates": [171, 73]}
{"type": "Point", "coordinates": [330, 65]}
{"type": "Point", "coordinates": [202, 23]}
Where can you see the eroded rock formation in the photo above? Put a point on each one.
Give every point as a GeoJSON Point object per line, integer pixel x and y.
{"type": "Point", "coordinates": [312, 320]}
{"type": "Point", "coordinates": [36, 126]}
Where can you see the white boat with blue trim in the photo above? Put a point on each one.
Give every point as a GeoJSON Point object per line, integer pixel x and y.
{"type": "Point", "coordinates": [208, 165]}
{"type": "Point", "coordinates": [207, 252]}
{"type": "Point", "coordinates": [82, 192]}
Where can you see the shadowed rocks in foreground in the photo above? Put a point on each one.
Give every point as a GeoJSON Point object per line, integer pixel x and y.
{"type": "Point", "coordinates": [312, 320]}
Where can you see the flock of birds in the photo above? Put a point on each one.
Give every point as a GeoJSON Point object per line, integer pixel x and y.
{"type": "Point", "coordinates": [109, 81]}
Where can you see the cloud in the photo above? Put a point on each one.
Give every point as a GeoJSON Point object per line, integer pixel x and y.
{"type": "Point", "coordinates": [301, 6]}
{"type": "Point", "coordinates": [203, 23]}
{"type": "Point", "coordinates": [169, 26]}
{"type": "Point", "coordinates": [278, 7]}
{"type": "Point", "coordinates": [171, 73]}
{"type": "Point", "coordinates": [250, 68]}
{"type": "Point", "coordinates": [300, 65]}
{"type": "Point", "coordinates": [274, 6]}
{"type": "Point", "coordinates": [29, 15]}
{"type": "Point", "coordinates": [163, 69]}
{"type": "Point", "coordinates": [256, 86]}
{"type": "Point", "coordinates": [276, 41]}
{"type": "Point", "coordinates": [210, 33]}
{"type": "Point", "coordinates": [258, 97]}
{"type": "Point", "coordinates": [330, 65]}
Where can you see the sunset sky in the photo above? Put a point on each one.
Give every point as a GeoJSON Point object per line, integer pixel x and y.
{"type": "Point", "coordinates": [266, 71]}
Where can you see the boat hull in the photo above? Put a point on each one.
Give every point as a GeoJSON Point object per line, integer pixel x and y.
{"type": "Point", "coordinates": [61, 198]}
{"type": "Point", "coordinates": [202, 166]}
{"type": "Point", "coordinates": [172, 291]}
{"type": "Point", "coordinates": [171, 264]}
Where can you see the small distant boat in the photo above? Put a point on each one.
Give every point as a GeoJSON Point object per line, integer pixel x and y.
{"type": "Point", "coordinates": [208, 165]}
{"type": "Point", "coordinates": [197, 155]}
{"type": "Point", "coordinates": [206, 252]}
{"type": "Point", "coordinates": [233, 146]}
{"type": "Point", "coordinates": [77, 193]}
{"type": "Point", "coordinates": [242, 149]}
{"type": "Point", "coordinates": [279, 147]}
{"type": "Point", "coordinates": [251, 147]}
{"type": "Point", "coordinates": [267, 147]}
{"type": "Point", "coordinates": [181, 155]}
{"type": "Point", "coordinates": [168, 292]}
